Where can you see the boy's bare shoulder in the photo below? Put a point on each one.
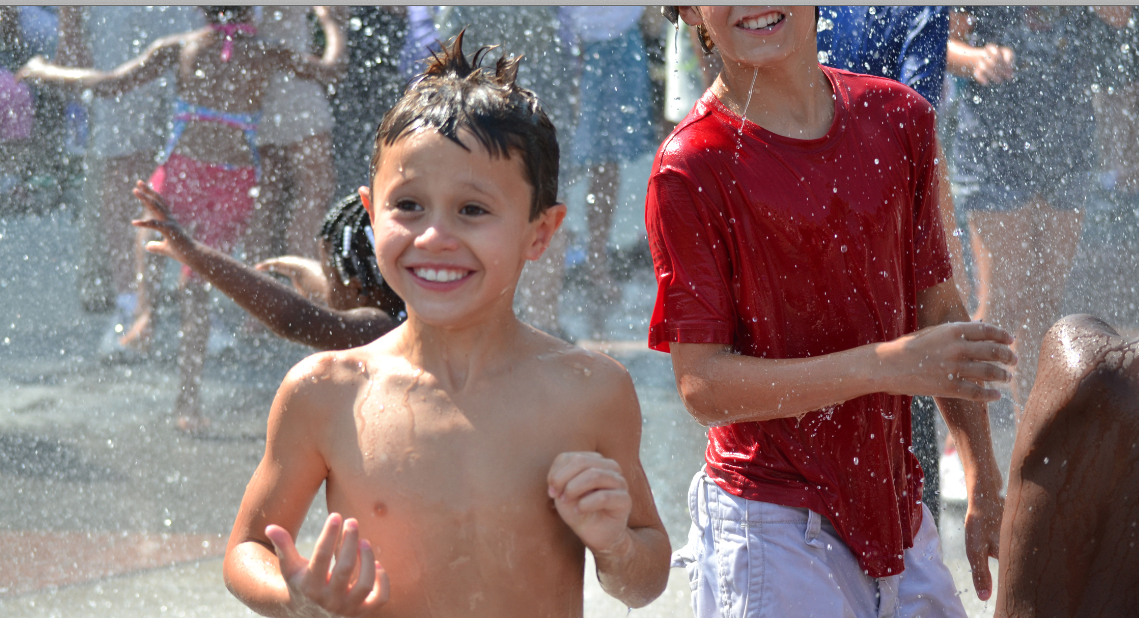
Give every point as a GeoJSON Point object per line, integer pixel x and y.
{"type": "Point", "coordinates": [326, 376]}
{"type": "Point", "coordinates": [593, 380]}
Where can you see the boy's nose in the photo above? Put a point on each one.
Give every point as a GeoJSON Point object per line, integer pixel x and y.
{"type": "Point", "coordinates": [436, 238]}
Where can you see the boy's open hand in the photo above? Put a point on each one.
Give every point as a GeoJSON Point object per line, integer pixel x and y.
{"type": "Point", "coordinates": [355, 586]}
{"type": "Point", "coordinates": [176, 242]}
{"type": "Point", "coordinates": [949, 360]}
{"type": "Point", "coordinates": [592, 497]}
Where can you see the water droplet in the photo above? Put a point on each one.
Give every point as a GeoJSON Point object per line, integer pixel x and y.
{"type": "Point", "coordinates": [856, 461]}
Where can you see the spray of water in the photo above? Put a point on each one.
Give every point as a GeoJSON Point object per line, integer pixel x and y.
{"type": "Point", "coordinates": [743, 113]}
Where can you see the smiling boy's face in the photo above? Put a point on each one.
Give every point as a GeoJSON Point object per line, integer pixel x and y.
{"type": "Point", "coordinates": [453, 227]}
{"type": "Point", "coordinates": [756, 35]}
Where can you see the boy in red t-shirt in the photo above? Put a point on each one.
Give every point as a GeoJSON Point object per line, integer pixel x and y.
{"type": "Point", "coordinates": [805, 294]}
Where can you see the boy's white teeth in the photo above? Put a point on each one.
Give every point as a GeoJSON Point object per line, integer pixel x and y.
{"type": "Point", "coordinates": [762, 21]}
{"type": "Point", "coordinates": [443, 275]}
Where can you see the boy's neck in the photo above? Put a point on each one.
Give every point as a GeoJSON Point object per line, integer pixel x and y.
{"type": "Point", "coordinates": [458, 356]}
{"type": "Point", "coordinates": [793, 98]}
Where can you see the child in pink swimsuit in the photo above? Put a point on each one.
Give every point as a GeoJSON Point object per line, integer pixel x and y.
{"type": "Point", "coordinates": [210, 167]}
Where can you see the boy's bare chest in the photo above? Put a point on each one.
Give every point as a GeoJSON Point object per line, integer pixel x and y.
{"type": "Point", "coordinates": [416, 444]}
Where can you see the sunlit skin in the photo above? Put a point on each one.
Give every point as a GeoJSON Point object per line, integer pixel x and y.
{"type": "Point", "coordinates": [471, 456]}
{"type": "Point", "coordinates": [949, 358]}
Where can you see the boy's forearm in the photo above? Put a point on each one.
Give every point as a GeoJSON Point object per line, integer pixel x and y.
{"type": "Point", "coordinates": [968, 421]}
{"type": "Point", "coordinates": [636, 572]}
{"type": "Point", "coordinates": [251, 574]}
{"type": "Point", "coordinates": [723, 387]}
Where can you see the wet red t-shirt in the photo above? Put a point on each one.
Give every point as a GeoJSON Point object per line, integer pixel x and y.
{"type": "Point", "coordinates": [787, 248]}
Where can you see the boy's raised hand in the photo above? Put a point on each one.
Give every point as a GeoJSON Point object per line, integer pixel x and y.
{"type": "Point", "coordinates": [592, 497]}
{"type": "Point", "coordinates": [176, 242]}
{"type": "Point", "coordinates": [951, 360]}
{"type": "Point", "coordinates": [318, 588]}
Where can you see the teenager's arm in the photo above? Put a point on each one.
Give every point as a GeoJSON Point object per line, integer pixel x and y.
{"type": "Point", "coordinates": [968, 421]}
{"type": "Point", "coordinates": [605, 498]}
{"type": "Point", "coordinates": [286, 312]}
{"type": "Point", "coordinates": [262, 567]}
{"type": "Point", "coordinates": [720, 387]}
{"type": "Point", "coordinates": [161, 56]}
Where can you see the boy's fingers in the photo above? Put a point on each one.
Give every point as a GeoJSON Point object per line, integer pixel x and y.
{"type": "Point", "coordinates": [983, 372]}
{"type": "Point", "coordinates": [325, 546]}
{"type": "Point", "coordinates": [380, 590]}
{"type": "Point", "coordinates": [568, 465]}
{"type": "Point", "coordinates": [606, 500]}
{"type": "Point", "coordinates": [287, 556]}
{"type": "Point", "coordinates": [367, 579]}
{"type": "Point", "coordinates": [592, 479]}
{"type": "Point", "coordinates": [982, 578]}
{"type": "Point", "coordinates": [979, 331]}
{"type": "Point", "coordinates": [991, 351]}
{"type": "Point", "coordinates": [346, 558]}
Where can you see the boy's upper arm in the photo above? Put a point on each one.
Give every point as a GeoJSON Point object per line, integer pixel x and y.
{"type": "Point", "coordinates": [617, 424]}
{"type": "Point", "coordinates": [293, 467]}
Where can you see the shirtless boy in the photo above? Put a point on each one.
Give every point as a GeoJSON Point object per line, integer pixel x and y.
{"type": "Point", "coordinates": [474, 457]}
{"type": "Point", "coordinates": [1068, 537]}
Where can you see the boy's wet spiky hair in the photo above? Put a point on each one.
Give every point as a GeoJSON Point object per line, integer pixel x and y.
{"type": "Point", "coordinates": [455, 94]}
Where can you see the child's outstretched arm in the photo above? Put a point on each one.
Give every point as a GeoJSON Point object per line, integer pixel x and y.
{"type": "Point", "coordinates": [160, 57]}
{"type": "Point", "coordinates": [262, 567]}
{"type": "Point", "coordinates": [605, 498]}
{"type": "Point", "coordinates": [332, 64]}
{"type": "Point", "coordinates": [286, 312]}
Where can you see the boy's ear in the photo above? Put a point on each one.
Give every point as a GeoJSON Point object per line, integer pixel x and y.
{"type": "Point", "coordinates": [691, 15]}
{"type": "Point", "coordinates": [366, 200]}
{"type": "Point", "coordinates": [546, 226]}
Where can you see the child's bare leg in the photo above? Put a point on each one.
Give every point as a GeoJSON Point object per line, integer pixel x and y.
{"type": "Point", "coordinates": [192, 355]}
{"type": "Point", "coordinates": [315, 181]}
{"type": "Point", "coordinates": [603, 188]}
{"type": "Point", "coordinates": [262, 238]}
{"type": "Point", "coordinates": [149, 269]}
{"type": "Point", "coordinates": [1007, 277]}
{"type": "Point", "coordinates": [119, 206]}
{"type": "Point", "coordinates": [1056, 240]}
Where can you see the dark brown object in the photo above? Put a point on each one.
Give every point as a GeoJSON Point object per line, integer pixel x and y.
{"type": "Point", "coordinates": [1071, 520]}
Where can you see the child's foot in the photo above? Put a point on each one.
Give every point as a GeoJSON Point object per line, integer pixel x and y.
{"type": "Point", "coordinates": [193, 425]}
{"type": "Point", "coordinates": [188, 415]}
{"type": "Point", "coordinates": [140, 335]}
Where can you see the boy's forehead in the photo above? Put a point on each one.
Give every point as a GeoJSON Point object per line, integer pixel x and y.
{"type": "Point", "coordinates": [427, 152]}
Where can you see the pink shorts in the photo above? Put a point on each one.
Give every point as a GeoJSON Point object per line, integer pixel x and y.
{"type": "Point", "coordinates": [212, 201]}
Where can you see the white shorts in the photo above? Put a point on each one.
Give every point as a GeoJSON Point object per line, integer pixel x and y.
{"type": "Point", "coordinates": [748, 559]}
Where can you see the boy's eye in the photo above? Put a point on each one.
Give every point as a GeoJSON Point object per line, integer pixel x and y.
{"type": "Point", "coordinates": [408, 206]}
{"type": "Point", "coordinates": [473, 210]}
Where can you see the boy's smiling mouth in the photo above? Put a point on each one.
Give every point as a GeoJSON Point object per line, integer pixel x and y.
{"type": "Point", "coordinates": [761, 22]}
{"type": "Point", "coordinates": [440, 275]}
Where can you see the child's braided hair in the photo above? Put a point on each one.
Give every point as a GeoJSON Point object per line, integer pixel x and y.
{"type": "Point", "coordinates": [455, 94]}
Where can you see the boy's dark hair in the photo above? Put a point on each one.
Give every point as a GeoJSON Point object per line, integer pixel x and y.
{"type": "Point", "coordinates": [228, 14]}
{"type": "Point", "coordinates": [455, 94]}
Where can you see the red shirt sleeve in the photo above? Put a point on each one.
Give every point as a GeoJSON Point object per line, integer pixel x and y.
{"type": "Point", "coordinates": [931, 253]}
{"type": "Point", "coordinates": [687, 236]}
